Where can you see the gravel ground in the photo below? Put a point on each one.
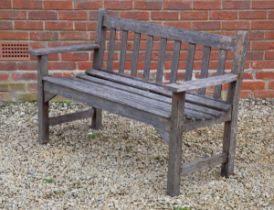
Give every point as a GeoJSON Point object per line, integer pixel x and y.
{"type": "Point", "coordinates": [124, 165]}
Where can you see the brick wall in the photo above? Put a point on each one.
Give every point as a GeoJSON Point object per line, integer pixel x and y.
{"type": "Point", "coordinates": [46, 23]}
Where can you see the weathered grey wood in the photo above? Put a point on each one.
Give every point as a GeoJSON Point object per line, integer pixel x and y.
{"type": "Point", "coordinates": [111, 49]}
{"type": "Point", "coordinates": [161, 61]}
{"type": "Point", "coordinates": [164, 135]}
{"type": "Point", "coordinates": [108, 105]}
{"type": "Point", "coordinates": [202, 83]}
{"type": "Point", "coordinates": [148, 57]}
{"type": "Point", "coordinates": [98, 55]}
{"type": "Point", "coordinates": [79, 47]}
{"type": "Point", "coordinates": [175, 61]}
{"type": "Point", "coordinates": [70, 117]}
{"type": "Point", "coordinates": [208, 162]}
{"type": "Point", "coordinates": [220, 71]}
{"type": "Point", "coordinates": [135, 54]}
{"type": "Point", "coordinates": [230, 129]}
{"type": "Point", "coordinates": [175, 144]}
{"type": "Point", "coordinates": [43, 107]}
{"type": "Point", "coordinates": [190, 60]}
{"type": "Point", "coordinates": [154, 88]}
{"type": "Point", "coordinates": [123, 51]}
{"type": "Point", "coordinates": [98, 58]}
{"type": "Point", "coordinates": [48, 96]}
{"type": "Point", "coordinates": [168, 32]}
{"type": "Point", "coordinates": [97, 118]}
{"type": "Point", "coordinates": [204, 69]}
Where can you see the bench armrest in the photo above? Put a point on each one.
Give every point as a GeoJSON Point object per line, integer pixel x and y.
{"type": "Point", "coordinates": [46, 51]}
{"type": "Point", "coordinates": [202, 83]}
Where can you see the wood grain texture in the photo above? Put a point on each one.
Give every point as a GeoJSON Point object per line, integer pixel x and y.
{"type": "Point", "coordinates": [204, 68]}
{"type": "Point", "coordinates": [161, 61]}
{"type": "Point", "coordinates": [50, 50]}
{"type": "Point", "coordinates": [220, 71]}
{"type": "Point", "coordinates": [190, 61]}
{"type": "Point", "coordinates": [168, 32]}
{"type": "Point", "coordinates": [135, 54]}
{"type": "Point", "coordinates": [123, 51]}
{"type": "Point", "coordinates": [175, 61]}
{"type": "Point", "coordinates": [148, 57]}
{"type": "Point", "coordinates": [111, 49]}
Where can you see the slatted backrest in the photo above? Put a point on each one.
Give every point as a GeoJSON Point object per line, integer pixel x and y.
{"type": "Point", "coordinates": [164, 33]}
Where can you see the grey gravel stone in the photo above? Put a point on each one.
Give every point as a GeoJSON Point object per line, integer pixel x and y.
{"type": "Point", "coordinates": [124, 165]}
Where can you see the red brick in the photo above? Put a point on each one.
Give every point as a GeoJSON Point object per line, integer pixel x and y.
{"type": "Point", "coordinates": [209, 25]}
{"type": "Point", "coordinates": [23, 76]}
{"type": "Point", "coordinates": [82, 56]}
{"type": "Point", "coordinates": [120, 5]}
{"type": "Point", "coordinates": [59, 25]}
{"type": "Point", "coordinates": [263, 25]}
{"type": "Point", "coordinates": [62, 65]}
{"type": "Point", "coordinates": [255, 55]}
{"type": "Point", "coordinates": [194, 15]}
{"type": "Point", "coordinates": [12, 15]}
{"type": "Point", "coordinates": [75, 35]}
{"type": "Point", "coordinates": [29, 4]}
{"type": "Point", "coordinates": [28, 25]}
{"type": "Point", "coordinates": [164, 15]}
{"type": "Point", "coordinates": [223, 15]}
{"type": "Point", "coordinates": [252, 85]}
{"type": "Point", "coordinates": [271, 85]}
{"type": "Point", "coordinates": [5, 25]}
{"type": "Point", "coordinates": [269, 55]}
{"type": "Point", "coordinates": [26, 65]}
{"type": "Point", "coordinates": [43, 36]}
{"type": "Point", "coordinates": [84, 65]}
{"type": "Point", "coordinates": [252, 15]}
{"type": "Point", "coordinates": [211, 4]}
{"type": "Point", "coordinates": [265, 75]}
{"type": "Point", "coordinates": [148, 5]}
{"type": "Point", "coordinates": [263, 4]}
{"type": "Point", "coordinates": [135, 15]}
{"type": "Point", "coordinates": [58, 4]}
{"type": "Point", "coordinates": [177, 5]}
{"type": "Point", "coordinates": [259, 45]}
{"type": "Point", "coordinates": [269, 35]}
{"type": "Point", "coordinates": [73, 15]}
{"type": "Point", "coordinates": [183, 25]}
{"type": "Point", "coordinates": [256, 35]}
{"type": "Point", "coordinates": [246, 94]}
{"type": "Point", "coordinates": [42, 15]}
{"type": "Point", "coordinates": [11, 35]}
{"type": "Point", "coordinates": [264, 93]}
{"type": "Point", "coordinates": [263, 64]}
{"type": "Point", "coordinates": [4, 76]}
{"type": "Point", "coordinates": [235, 25]}
{"type": "Point", "coordinates": [236, 4]}
{"type": "Point", "coordinates": [270, 15]}
{"type": "Point", "coordinates": [85, 26]}
{"type": "Point", "coordinates": [88, 5]}
{"type": "Point", "coordinates": [247, 76]}
{"type": "Point", "coordinates": [5, 4]}
{"type": "Point", "coordinates": [7, 66]}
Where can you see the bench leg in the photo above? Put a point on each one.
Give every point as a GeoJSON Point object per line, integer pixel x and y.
{"type": "Point", "coordinates": [96, 119]}
{"type": "Point", "coordinates": [229, 145]}
{"type": "Point", "coordinates": [43, 120]}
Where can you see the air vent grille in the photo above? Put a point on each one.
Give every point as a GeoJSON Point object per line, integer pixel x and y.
{"type": "Point", "coordinates": [14, 51]}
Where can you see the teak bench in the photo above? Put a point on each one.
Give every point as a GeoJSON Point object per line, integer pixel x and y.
{"type": "Point", "coordinates": [172, 108]}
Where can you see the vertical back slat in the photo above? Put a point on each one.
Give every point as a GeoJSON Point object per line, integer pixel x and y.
{"type": "Point", "coordinates": [148, 57]}
{"type": "Point", "coordinates": [220, 70]}
{"type": "Point", "coordinates": [175, 61]}
{"type": "Point", "coordinates": [190, 60]}
{"type": "Point", "coordinates": [135, 54]}
{"type": "Point", "coordinates": [161, 61]}
{"type": "Point", "coordinates": [100, 39]}
{"type": "Point", "coordinates": [123, 51]}
{"type": "Point", "coordinates": [204, 67]}
{"type": "Point", "coordinates": [111, 48]}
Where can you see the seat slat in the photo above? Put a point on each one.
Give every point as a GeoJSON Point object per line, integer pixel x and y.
{"type": "Point", "coordinates": [135, 54]}
{"type": "Point", "coordinates": [175, 61]}
{"type": "Point", "coordinates": [140, 84]}
{"type": "Point", "coordinates": [204, 68]}
{"type": "Point", "coordinates": [161, 61]}
{"type": "Point", "coordinates": [148, 57]}
{"type": "Point", "coordinates": [220, 71]}
{"type": "Point", "coordinates": [123, 51]}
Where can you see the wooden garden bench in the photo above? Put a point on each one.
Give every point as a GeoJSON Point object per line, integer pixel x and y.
{"type": "Point", "coordinates": [172, 108]}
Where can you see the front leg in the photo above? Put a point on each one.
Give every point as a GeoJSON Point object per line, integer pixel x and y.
{"type": "Point", "coordinates": [175, 144]}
